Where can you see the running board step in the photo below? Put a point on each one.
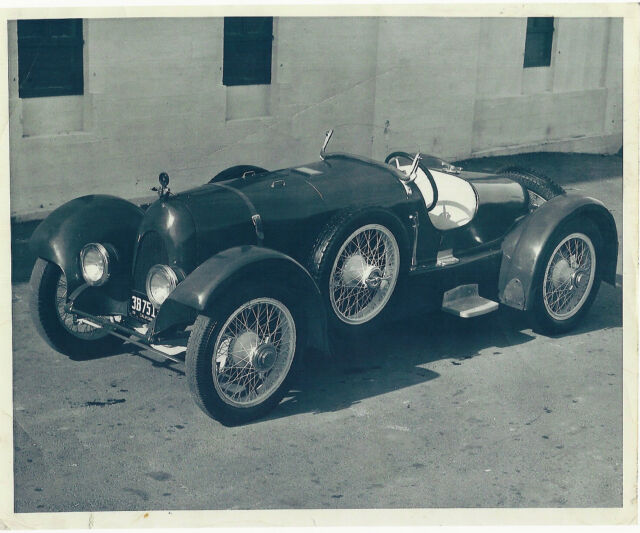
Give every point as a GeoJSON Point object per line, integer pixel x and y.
{"type": "Point", "coordinates": [465, 302]}
{"type": "Point", "coordinates": [446, 257]}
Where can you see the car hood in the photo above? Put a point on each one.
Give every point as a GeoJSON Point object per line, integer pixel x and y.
{"type": "Point", "coordinates": [290, 204]}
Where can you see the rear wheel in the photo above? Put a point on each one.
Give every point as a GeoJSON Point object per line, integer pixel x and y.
{"type": "Point", "coordinates": [239, 360]}
{"type": "Point", "coordinates": [567, 278]}
{"type": "Point", "coordinates": [541, 188]}
{"type": "Point", "coordinates": [357, 263]}
{"type": "Point", "coordinates": [61, 330]}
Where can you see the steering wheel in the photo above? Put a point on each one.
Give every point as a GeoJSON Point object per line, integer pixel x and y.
{"type": "Point", "coordinates": [396, 157]}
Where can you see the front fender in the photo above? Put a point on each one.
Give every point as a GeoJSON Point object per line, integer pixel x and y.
{"type": "Point", "coordinates": [94, 218]}
{"type": "Point", "coordinates": [522, 247]}
{"type": "Point", "coordinates": [200, 290]}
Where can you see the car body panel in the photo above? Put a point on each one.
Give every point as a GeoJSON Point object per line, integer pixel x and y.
{"type": "Point", "coordinates": [93, 218]}
{"type": "Point", "coordinates": [523, 246]}
{"type": "Point", "coordinates": [264, 227]}
{"type": "Point", "coordinates": [500, 202]}
{"type": "Point", "coordinates": [201, 290]}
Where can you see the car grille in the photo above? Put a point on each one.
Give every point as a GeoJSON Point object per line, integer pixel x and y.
{"type": "Point", "coordinates": [151, 251]}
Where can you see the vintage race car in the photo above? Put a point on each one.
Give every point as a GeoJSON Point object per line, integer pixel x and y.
{"type": "Point", "coordinates": [238, 278]}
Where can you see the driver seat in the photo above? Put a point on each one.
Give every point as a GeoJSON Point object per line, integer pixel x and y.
{"type": "Point", "coordinates": [457, 199]}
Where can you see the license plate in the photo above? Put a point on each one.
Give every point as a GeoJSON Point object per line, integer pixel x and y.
{"type": "Point", "coordinates": [142, 308]}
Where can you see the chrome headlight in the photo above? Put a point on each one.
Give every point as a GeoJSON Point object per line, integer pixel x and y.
{"type": "Point", "coordinates": [94, 260]}
{"type": "Point", "coordinates": [161, 280]}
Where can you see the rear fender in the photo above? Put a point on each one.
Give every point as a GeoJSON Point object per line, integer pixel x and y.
{"type": "Point", "coordinates": [523, 246]}
{"type": "Point", "coordinates": [94, 218]}
{"type": "Point", "coordinates": [200, 290]}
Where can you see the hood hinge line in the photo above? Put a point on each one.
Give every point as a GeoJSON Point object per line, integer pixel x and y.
{"type": "Point", "coordinates": [255, 216]}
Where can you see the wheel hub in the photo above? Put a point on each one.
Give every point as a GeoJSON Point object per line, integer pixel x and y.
{"type": "Point", "coordinates": [357, 272]}
{"type": "Point", "coordinates": [580, 279]}
{"type": "Point", "coordinates": [569, 276]}
{"type": "Point", "coordinates": [264, 357]}
{"type": "Point", "coordinates": [248, 346]}
{"type": "Point", "coordinates": [374, 278]}
{"type": "Point", "coordinates": [243, 347]}
{"type": "Point", "coordinates": [562, 273]}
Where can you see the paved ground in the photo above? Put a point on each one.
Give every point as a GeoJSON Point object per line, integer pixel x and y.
{"type": "Point", "coordinates": [438, 412]}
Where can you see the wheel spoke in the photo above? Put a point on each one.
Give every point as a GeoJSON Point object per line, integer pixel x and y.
{"type": "Point", "coordinates": [82, 330]}
{"type": "Point", "coordinates": [370, 252]}
{"type": "Point", "coordinates": [236, 371]}
{"type": "Point", "coordinates": [566, 290]}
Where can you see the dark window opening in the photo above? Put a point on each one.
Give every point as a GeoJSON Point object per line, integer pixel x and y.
{"type": "Point", "coordinates": [247, 50]}
{"type": "Point", "coordinates": [50, 57]}
{"type": "Point", "coordinates": [537, 47]}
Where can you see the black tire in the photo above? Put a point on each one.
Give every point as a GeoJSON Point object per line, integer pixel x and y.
{"type": "Point", "coordinates": [49, 323]}
{"type": "Point", "coordinates": [542, 320]}
{"type": "Point", "coordinates": [202, 343]}
{"type": "Point", "coordinates": [236, 172]}
{"type": "Point", "coordinates": [325, 251]}
{"type": "Point", "coordinates": [534, 181]}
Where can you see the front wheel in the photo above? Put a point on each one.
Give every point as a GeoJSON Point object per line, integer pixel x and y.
{"type": "Point", "coordinates": [567, 278]}
{"type": "Point", "coordinates": [61, 330]}
{"type": "Point", "coordinates": [239, 360]}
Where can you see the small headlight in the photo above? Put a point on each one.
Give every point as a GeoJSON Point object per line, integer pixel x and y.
{"type": "Point", "coordinates": [161, 280]}
{"type": "Point", "coordinates": [94, 260]}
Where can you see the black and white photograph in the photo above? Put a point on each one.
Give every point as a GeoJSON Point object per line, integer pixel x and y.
{"type": "Point", "coordinates": [265, 259]}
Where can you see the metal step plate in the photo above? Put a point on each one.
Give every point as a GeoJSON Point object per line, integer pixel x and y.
{"type": "Point", "coordinates": [465, 302]}
{"type": "Point", "coordinates": [446, 257]}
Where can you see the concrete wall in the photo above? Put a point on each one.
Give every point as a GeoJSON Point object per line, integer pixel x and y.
{"type": "Point", "coordinates": [154, 99]}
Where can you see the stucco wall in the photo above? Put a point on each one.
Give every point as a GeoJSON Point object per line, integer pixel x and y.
{"type": "Point", "coordinates": [154, 99]}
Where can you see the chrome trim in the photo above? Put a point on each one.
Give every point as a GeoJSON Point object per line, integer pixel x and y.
{"type": "Point", "coordinates": [446, 257]}
{"type": "Point", "coordinates": [415, 224]}
{"type": "Point", "coordinates": [257, 224]}
{"type": "Point", "coordinates": [171, 276]}
{"type": "Point", "coordinates": [409, 178]}
{"type": "Point", "coordinates": [413, 173]}
{"type": "Point", "coordinates": [106, 259]}
{"type": "Point", "coordinates": [327, 138]}
{"type": "Point", "coordinates": [163, 191]}
{"type": "Point", "coordinates": [121, 332]}
{"type": "Point", "coordinates": [248, 203]}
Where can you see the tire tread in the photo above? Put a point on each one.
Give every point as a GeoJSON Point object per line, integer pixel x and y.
{"type": "Point", "coordinates": [534, 180]}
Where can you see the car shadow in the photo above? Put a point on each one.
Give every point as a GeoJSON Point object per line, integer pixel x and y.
{"type": "Point", "coordinates": [398, 354]}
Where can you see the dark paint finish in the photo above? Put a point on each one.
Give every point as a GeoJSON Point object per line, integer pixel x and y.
{"type": "Point", "coordinates": [208, 235]}
{"type": "Point", "coordinates": [293, 204]}
{"type": "Point", "coordinates": [103, 301]}
{"type": "Point", "coordinates": [172, 221]}
{"type": "Point", "coordinates": [289, 208]}
{"type": "Point", "coordinates": [500, 202]}
{"type": "Point", "coordinates": [220, 219]}
{"type": "Point", "coordinates": [522, 247]}
{"type": "Point", "coordinates": [94, 218]}
{"type": "Point", "coordinates": [207, 283]}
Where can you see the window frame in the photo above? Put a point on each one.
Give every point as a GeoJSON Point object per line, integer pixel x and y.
{"type": "Point", "coordinates": [533, 55]}
{"type": "Point", "coordinates": [69, 49]}
{"type": "Point", "coordinates": [240, 45]}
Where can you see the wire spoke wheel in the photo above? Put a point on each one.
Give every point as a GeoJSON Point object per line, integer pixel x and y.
{"type": "Point", "coordinates": [253, 352]}
{"type": "Point", "coordinates": [569, 276]}
{"type": "Point", "coordinates": [69, 321]}
{"type": "Point", "coordinates": [364, 274]}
